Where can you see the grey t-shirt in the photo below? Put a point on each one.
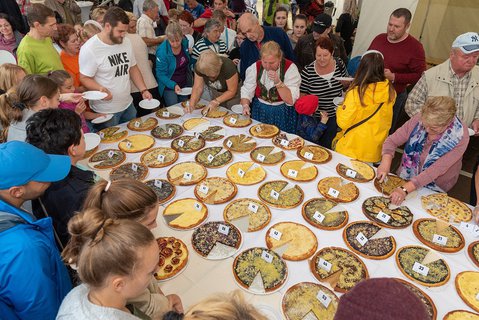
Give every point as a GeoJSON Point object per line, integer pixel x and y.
{"type": "Point", "coordinates": [228, 69]}
{"type": "Point", "coordinates": [18, 130]}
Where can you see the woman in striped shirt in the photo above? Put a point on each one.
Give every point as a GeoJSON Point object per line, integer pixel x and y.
{"type": "Point", "coordinates": [211, 40]}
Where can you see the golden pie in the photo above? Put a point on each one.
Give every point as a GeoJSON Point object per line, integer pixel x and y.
{"type": "Point", "coordinates": [288, 141]}
{"type": "Point", "coordinates": [378, 210]}
{"type": "Point", "coordinates": [214, 157]}
{"type": "Point", "coordinates": [264, 130]}
{"type": "Point", "coordinates": [136, 143]}
{"type": "Point", "coordinates": [139, 125]}
{"type": "Point", "coordinates": [112, 134]}
{"type": "Point", "coordinates": [281, 194]}
{"type": "Point", "coordinates": [159, 157]}
{"type": "Point", "coordinates": [164, 190]}
{"type": "Point", "coordinates": [389, 184]}
{"type": "Point", "coordinates": [136, 171]}
{"type": "Point", "coordinates": [444, 207]}
{"type": "Point", "coordinates": [433, 234]}
{"type": "Point", "coordinates": [239, 143]}
{"type": "Point", "coordinates": [216, 112]}
{"type": "Point", "coordinates": [215, 190]}
{"type": "Point", "coordinates": [246, 173]}
{"type": "Point", "coordinates": [165, 113]}
{"type": "Point", "coordinates": [357, 171]}
{"type": "Point", "coordinates": [167, 131]}
{"type": "Point", "coordinates": [301, 300]}
{"type": "Point", "coordinates": [467, 286]}
{"type": "Point", "coordinates": [172, 259]}
{"type": "Point", "coordinates": [192, 123]}
{"type": "Point", "coordinates": [333, 188]}
{"type": "Point", "coordinates": [107, 159]}
{"type": "Point", "coordinates": [185, 213]}
{"type": "Point", "coordinates": [257, 212]}
{"type": "Point", "coordinates": [186, 173]}
{"type": "Point", "coordinates": [188, 144]}
{"type": "Point", "coordinates": [213, 133]}
{"type": "Point", "coordinates": [216, 240]}
{"type": "Point", "coordinates": [298, 170]}
{"type": "Point", "coordinates": [314, 154]}
{"type": "Point", "coordinates": [359, 236]}
{"type": "Point", "coordinates": [473, 252]}
{"type": "Point", "coordinates": [267, 155]}
{"type": "Point", "coordinates": [237, 121]}
{"type": "Point", "coordinates": [461, 315]}
{"type": "Point", "coordinates": [297, 241]}
{"type": "Point", "coordinates": [322, 214]}
{"type": "Point", "coordinates": [425, 299]}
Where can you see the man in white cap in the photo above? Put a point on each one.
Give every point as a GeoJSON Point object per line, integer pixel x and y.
{"type": "Point", "coordinates": [457, 77]}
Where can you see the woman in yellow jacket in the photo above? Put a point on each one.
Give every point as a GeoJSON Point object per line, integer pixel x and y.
{"type": "Point", "coordinates": [366, 113]}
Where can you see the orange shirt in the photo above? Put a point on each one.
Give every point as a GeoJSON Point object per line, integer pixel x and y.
{"type": "Point", "coordinates": [71, 65]}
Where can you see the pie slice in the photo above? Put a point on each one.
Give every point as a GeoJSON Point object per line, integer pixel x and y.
{"type": "Point", "coordinates": [192, 123]}
{"type": "Point", "coordinates": [107, 159]}
{"type": "Point", "coordinates": [89, 153]}
{"type": "Point", "coordinates": [136, 171]}
{"type": "Point", "coordinates": [298, 170]}
{"type": "Point", "coordinates": [237, 121]}
{"type": "Point", "coordinates": [324, 214]}
{"type": "Point", "coordinates": [473, 252]}
{"type": "Point", "coordinates": [239, 143]}
{"type": "Point", "coordinates": [286, 199]}
{"type": "Point", "coordinates": [167, 131]}
{"type": "Point", "coordinates": [257, 212]}
{"type": "Point", "coordinates": [216, 112]}
{"type": "Point", "coordinates": [334, 189]}
{"type": "Point", "coordinates": [461, 315]}
{"type": "Point", "coordinates": [302, 298]}
{"type": "Point", "coordinates": [187, 213]}
{"type": "Point", "coordinates": [467, 286]}
{"type": "Point", "coordinates": [246, 173]}
{"type": "Point", "coordinates": [213, 133]}
{"type": "Point", "coordinates": [437, 275]}
{"type": "Point", "coordinates": [389, 184]}
{"type": "Point", "coordinates": [139, 125]}
{"type": "Point", "coordinates": [375, 248]}
{"type": "Point", "coordinates": [187, 144]}
{"type": "Point", "coordinates": [281, 141]}
{"type": "Point", "coordinates": [216, 240]}
{"type": "Point", "coordinates": [214, 157]}
{"type": "Point", "coordinates": [314, 154]}
{"type": "Point", "coordinates": [184, 104]}
{"type": "Point", "coordinates": [159, 157]}
{"type": "Point", "coordinates": [426, 230]}
{"type": "Point", "coordinates": [264, 130]}
{"type": "Point", "coordinates": [378, 210]}
{"type": "Point", "coordinates": [215, 190]}
{"type": "Point", "coordinates": [343, 264]}
{"type": "Point", "coordinates": [357, 171]}
{"type": "Point", "coordinates": [167, 115]}
{"type": "Point", "coordinates": [267, 155]}
{"type": "Point", "coordinates": [112, 134]}
{"type": "Point", "coordinates": [426, 300]}
{"type": "Point", "coordinates": [186, 173]}
{"type": "Point", "coordinates": [136, 143]}
{"type": "Point", "coordinates": [444, 207]}
{"type": "Point", "coordinates": [172, 259]}
{"type": "Point", "coordinates": [261, 264]}
{"type": "Point", "coordinates": [300, 242]}
{"type": "Point", "coordinates": [163, 189]}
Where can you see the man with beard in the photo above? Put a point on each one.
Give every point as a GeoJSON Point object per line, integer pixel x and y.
{"type": "Point", "coordinates": [107, 64]}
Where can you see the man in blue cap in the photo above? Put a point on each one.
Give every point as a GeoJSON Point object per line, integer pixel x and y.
{"type": "Point", "coordinates": [34, 278]}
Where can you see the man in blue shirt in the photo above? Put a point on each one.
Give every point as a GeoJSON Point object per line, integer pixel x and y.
{"type": "Point", "coordinates": [193, 7]}
{"type": "Point", "coordinates": [34, 278]}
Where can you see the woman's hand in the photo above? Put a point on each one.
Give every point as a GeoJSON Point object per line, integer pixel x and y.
{"type": "Point", "coordinates": [382, 172]}
{"type": "Point", "coordinates": [236, 61]}
{"type": "Point", "coordinates": [189, 106]}
{"type": "Point", "coordinates": [175, 303]}
{"type": "Point", "coordinates": [324, 117]}
{"type": "Point", "coordinates": [397, 196]}
{"type": "Point", "coordinates": [273, 76]}
{"type": "Point", "coordinates": [177, 89]}
{"type": "Point", "coordinates": [71, 97]}
{"type": "Point", "coordinates": [213, 105]}
{"type": "Point", "coordinates": [80, 108]}
{"type": "Point", "coordinates": [146, 95]}
{"type": "Point", "coordinates": [246, 110]}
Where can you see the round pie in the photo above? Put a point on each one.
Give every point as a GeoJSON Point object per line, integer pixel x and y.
{"type": "Point", "coordinates": [357, 171]}
{"type": "Point", "coordinates": [239, 143]}
{"type": "Point", "coordinates": [281, 141]}
{"type": "Point", "coordinates": [467, 286]}
{"type": "Point", "coordinates": [163, 188]}
{"type": "Point", "coordinates": [184, 104]}
{"type": "Point", "coordinates": [107, 159]}
{"type": "Point", "coordinates": [173, 257]}
{"type": "Point", "coordinates": [377, 209]}
{"type": "Point", "coordinates": [216, 240]}
{"type": "Point", "coordinates": [319, 212]}
{"type": "Point", "coordinates": [257, 213]}
{"type": "Point", "coordinates": [213, 157]}
{"type": "Point", "coordinates": [260, 270]}
{"type": "Point", "coordinates": [264, 130]}
{"type": "Point", "coordinates": [409, 256]}
{"type": "Point", "coordinates": [215, 190]}
{"type": "Point", "coordinates": [171, 115]}
{"type": "Point", "coordinates": [185, 213]}
{"type": "Point", "coordinates": [302, 300]}
{"type": "Point", "coordinates": [334, 189]}
{"type": "Point", "coordinates": [192, 123]}
{"type": "Point", "coordinates": [338, 266]}
{"type": "Point", "coordinates": [314, 154]}
{"type": "Point", "coordinates": [215, 112]}
{"type": "Point", "coordinates": [389, 184]}
{"type": "Point", "coordinates": [272, 193]}
{"type": "Point", "coordinates": [213, 133]}
{"type": "Point", "coordinates": [139, 125]}
{"type": "Point", "coordinates": [188, 144]}
{"type": "Point", "coordinates": [442, 206]}
{"type": "Point", "coordinates": [298, 170]}
{"type": "Point", "coordinates": [237, 121]}
{"type": "Point", "coordinates": [136, 171]}
{"type": "Point", "coordinates": [136, 143]}
{"type": "Point", "coordinates": [246, 173]}
{"type": "Point", "coordinates": [473, 252]}
{"type": "Point", "coordinates": [186, 173]}
{"type": "Point", "coordinates": [461, 315]}
{"type": "Point", "coordinates": [159, 157]}
{"type": "Point", "coordinates": [167, 131]}
{"type": "Point", "coordinates": [297, 241]}
{"type": "Point", "coordinates": [426, 300]}
{"type": "Point", "coordinates": [112, 134]}
{"type": "Point", "coordinates": [426, 230]}
{"type": "Point", "coordinates": [266, 156]}
{"type": "Point", "coordinates": [380, 247]}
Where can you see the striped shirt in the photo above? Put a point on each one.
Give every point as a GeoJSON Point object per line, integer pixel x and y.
{"type": "Point", "coordinates": [204, 44]}
{"type": "Point", "coordinates": [325, 89]}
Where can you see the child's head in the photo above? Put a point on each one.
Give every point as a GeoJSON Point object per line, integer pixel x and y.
{"type": "Point", "coordinates": [124, 199]}
{"type": "Point", "coordinates": [90, 28]}
{"type": "Point", "coordinates": [10, 76]}
{"type": "Point", "coordinates": [63, 80]}
{"type": "Point", "coordinates": [307, 104]}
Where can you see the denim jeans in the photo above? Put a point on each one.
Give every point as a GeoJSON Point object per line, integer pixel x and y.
{"type": "Point", "coordinates": [172, 98]}
{"type": "Point", "coordinates": [119, 117]}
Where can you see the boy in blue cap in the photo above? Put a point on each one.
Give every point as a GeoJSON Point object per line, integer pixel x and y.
{"type": "Point", "coordinates": [34, 278]}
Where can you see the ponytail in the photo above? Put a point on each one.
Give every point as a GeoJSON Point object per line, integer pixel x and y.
{"type": "Point", "coordinates": [10, 111]}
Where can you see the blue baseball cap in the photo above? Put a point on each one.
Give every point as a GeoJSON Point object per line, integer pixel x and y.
{"type": "Point", "coordinates": [468, 42]}
{"type": "Point", "coordinates": [21, 163]}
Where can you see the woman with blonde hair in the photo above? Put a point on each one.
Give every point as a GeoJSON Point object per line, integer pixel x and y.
{"type": "Point", "coordinates": [10, 76]}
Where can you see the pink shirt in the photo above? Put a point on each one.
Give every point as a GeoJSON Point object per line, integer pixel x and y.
{"type": "Point", "coordinates": [71, 106]}
{"type": "Point", "coordinates": [445, 171]}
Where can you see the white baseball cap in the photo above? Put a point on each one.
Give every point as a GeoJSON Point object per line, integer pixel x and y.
{"type": "Point", "coordinates": [468, 42]}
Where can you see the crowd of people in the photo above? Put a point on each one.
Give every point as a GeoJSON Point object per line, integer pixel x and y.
{"type": "Point", "coordinates": [92, 254]}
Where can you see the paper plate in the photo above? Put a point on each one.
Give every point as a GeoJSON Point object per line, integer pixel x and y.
{"type": "Point", "coordinates": [94, 95]}
{"type": "Point", "coordinates": [237, 108]}
{"type": "Point", "coordinates": [471, 132]}
{"type": "Point", "coordinates": [338, 101]}
{"type": "Point", "coordinates": [92, 140]}
{"type": "Point", "coordinates": [149, 104]}
{"type": "Point", "coordinates": [102, 119]}
{"type": "Point", "coordinates": [186, 91]}
{"type": "Point", "coordinates": [344, 78]}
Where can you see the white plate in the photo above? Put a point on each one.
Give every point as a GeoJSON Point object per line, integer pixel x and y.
{"type": "Point", "coordinates": [237, 108]}
{"type": "Point", "coordinates": [102, 119]}
{"type": "Point", "coordinates": [92, 140]}
{"type": "Point", "coordinates": [344, 78]}
{"type": "Point", "coordinates": [94, 95]}
{"type": "Point", "coordinates": [471, 132]}
{"type": "Point", "coordinates": [338, 101]}
{"type": "Point", "coordinates": [186, 91]}
{"type": "Point", "coordinates": [149, 104]}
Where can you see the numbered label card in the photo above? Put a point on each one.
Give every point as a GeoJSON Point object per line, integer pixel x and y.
{"type": "Point", "coordinates": [323, 298]}
{"type": "Point", "coordinates": [134, 167]}
{"type": "Point", "coordinates": [102, 135]}
{"type": "Point", "coordinates": [325, 265]}
{"type": "Point", "coordinates": [197, 206]}
{"type": "Point", "coordinates": [128, 144]}
{"type": "Point", "coordinates": [292, 173]}
{"type": "Point", "coordinates": [137, 124]}
{"type": "Point", "coordinates": [161, 158]}
{"type": "Point", "coordinates": [260, 157]}
{"type": "Point", "coordinates": [333, 192]}
{"type": "Point", "coordinates": [170, 131]}
{"type": "Point", "coordinates": [275, 234]}
{"type": "Point", "coordinates": [187, 176]}
{"type": "Point", "coordinates": [318, 216]}
{"type": "Point", "coordinates": [181, 143]}
{"type": "Point", "coordinates": [421, 269]}
{"type": "Point", "coordinates": [467, 226]}
{"type": "Point", "coordinates": [158, 183]}
{"type": "Point", "coordinates": [383, 217]}
{"type": "Point", "coordinates": [274, 194]}
{"type": "Point", "coordinates": [197, 135]}
{"type": "Point", "coordinates": [284, 142]}
{"type": "Point", "coordinates": [204, 189]}
{"type": "Point", "coordinates": [266, 256]}
{"type": "Point", "coordinates": [223, 229]}
{"type": "Point", "coordinates": [441, 240]}
{"type": "Point", "coordinates": [166, 114]}
{"type": "Point", "coordinates": [229, 143]}
{"type": "Point", "coordinates": [308, 155]}
{"type": "Point", "coordinates": [241, 173]}
{"type": "Point", "coordinates": [361, 239]}
{"type": "Point", "coordinates": [258, 129]}
{"type": "Point", "coordinates": [351, 173]}
{"type": "Point", "coordinates": [111, 153]}
{"type": "Point", "coordinates": [210, 157]}
{"type": "Point", "coordinates": [233, 120]}
{"type": "Point", "coordinates": [253, 207]}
